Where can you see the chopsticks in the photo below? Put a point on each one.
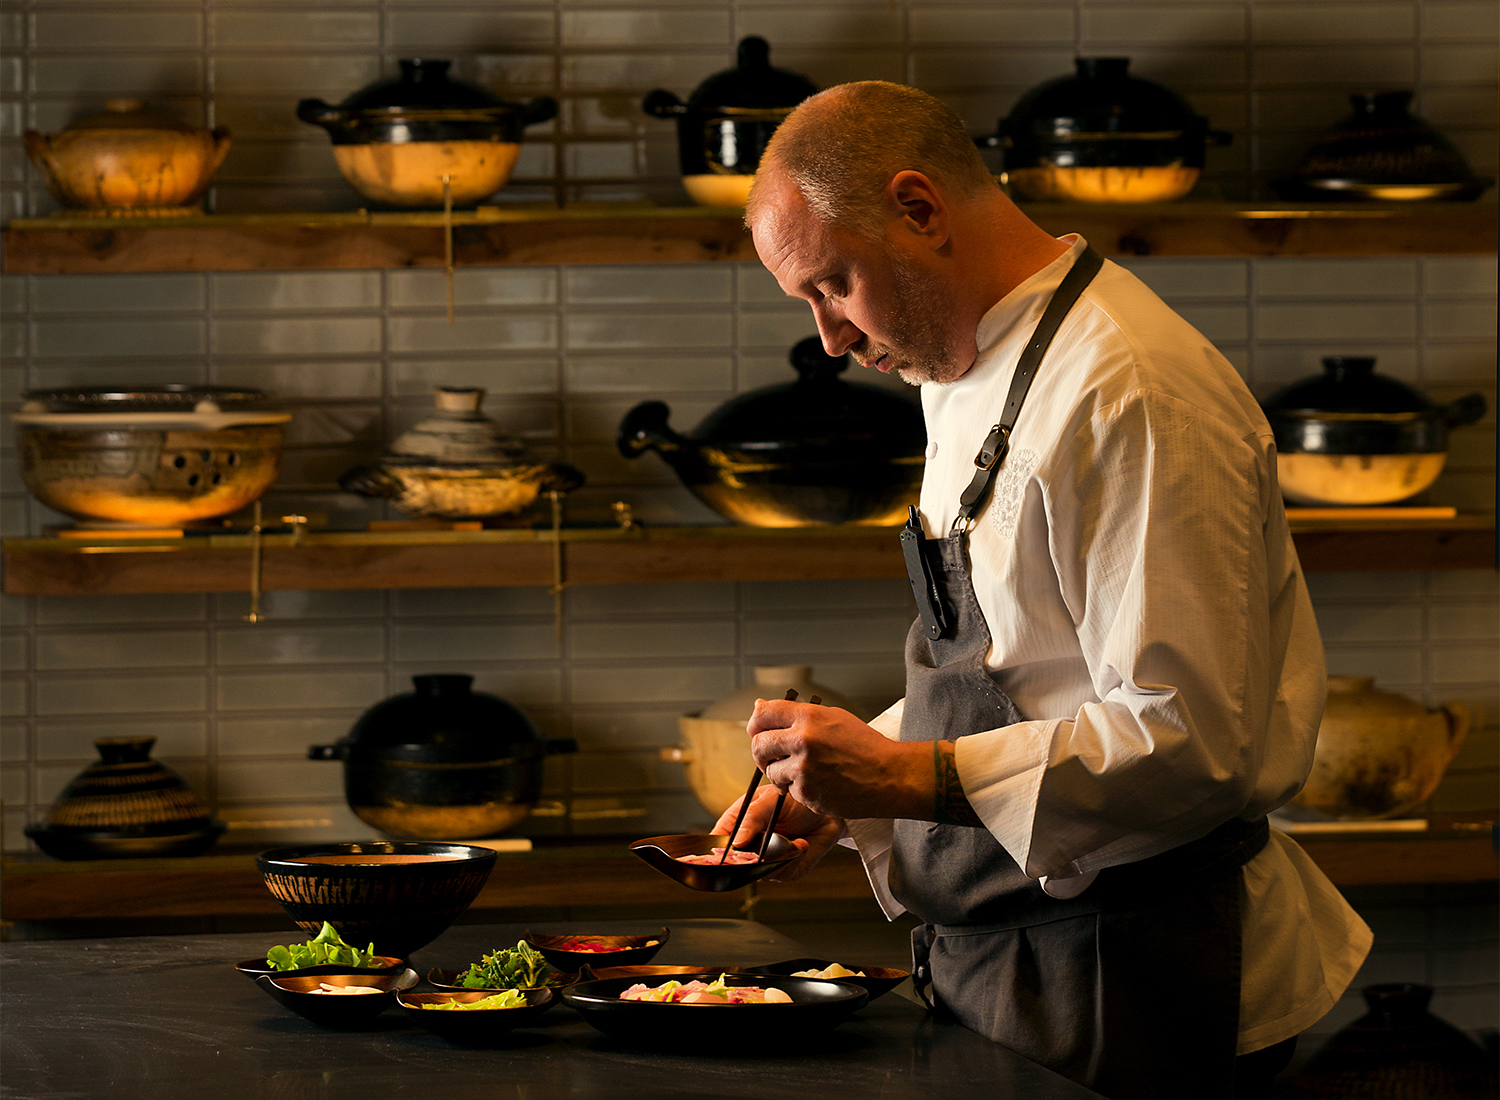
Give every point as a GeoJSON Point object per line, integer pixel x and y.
{"type": "Point", "coordinates": [765, 838]}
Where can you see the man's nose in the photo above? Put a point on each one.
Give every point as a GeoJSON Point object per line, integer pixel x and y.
{"type": "Point", "coordinates": [838, 333]}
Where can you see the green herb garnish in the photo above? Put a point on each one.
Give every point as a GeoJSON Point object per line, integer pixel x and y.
{"type": "Point", "coordinates": [324, 949]}
{"type": "Point", "coordinates": [522, 967]}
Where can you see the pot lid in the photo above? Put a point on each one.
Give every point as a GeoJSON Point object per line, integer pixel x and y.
{"type": "Point", "coordinates": [132, 114]}
{"type": "Point", "coordinates": [819, 410]}
{"type": "Point", "coordinates": [1383, 142]}
{"type": "Point", "coordinates": [443, 713]}
{"type": "Point", "coordinates": [172, 406]}
{"type": "Point", "coordinates": [753, 84]}
{"type": "Point", "coordinates": [459, 434]}
{"type": "Point", "coordinates": [1348, 384]}
{"type": "Point", "coordinates": [424, 85]}
{"type": "Point", "coordinates": [1101, 100]}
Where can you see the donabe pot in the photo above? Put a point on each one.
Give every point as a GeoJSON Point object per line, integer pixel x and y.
{"type": "Point", "coordinates": [1103, 136]}
{"type": "Point", "coordinates": [725, 124]}
{"type": "Point", "coordinates": [815, 451]}
{"type": "Point", "coordinates": [130, 159]}
{"type": "Point", "coordinates": [422, 138]}
{"type": "Point", "coordinates": [458, 463]}
{"type": "Point", "coordinates": [1351, 436]}
{"type": "Point", "coordinates": [148, 456]}
{"type": "Point", "coordinates": [443, 762]}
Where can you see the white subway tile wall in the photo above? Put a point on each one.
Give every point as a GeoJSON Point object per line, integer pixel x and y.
{"type": "Point", "coordinates": [564, 352]}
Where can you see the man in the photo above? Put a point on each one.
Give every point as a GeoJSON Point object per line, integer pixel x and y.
{"type": "Point", "coordinates": [1115, 673]}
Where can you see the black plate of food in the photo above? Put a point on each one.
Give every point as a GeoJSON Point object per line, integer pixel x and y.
{"type": "Point", "coordinates": [473, 1027]}
{"type": "Point", "coordinates": [254, 968]}
{"type": "Point", "coordinates": [573, 952]}
{"type": "Point", "coordinates": [876, 980]}
{"type": "Point", "coordinates": [811, 1007]}
{"type": "Point", "coordinates": [315, 997]}
{"type": "Point", "coordinates": [679, 857]}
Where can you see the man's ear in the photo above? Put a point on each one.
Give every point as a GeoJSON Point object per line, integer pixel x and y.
{"type": "Point", "coordinates": [915, 199]}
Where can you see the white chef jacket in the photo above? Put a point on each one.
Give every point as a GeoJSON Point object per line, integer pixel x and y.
{"type": "Point", "coordinates": [1148, 614]}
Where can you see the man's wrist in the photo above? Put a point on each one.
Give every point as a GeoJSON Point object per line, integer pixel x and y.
{"type": "Point", "coordinates": [950, 806]}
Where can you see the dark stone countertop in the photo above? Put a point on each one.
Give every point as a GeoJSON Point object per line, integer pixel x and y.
{"type": "Point", "coordinates": [167, 1017]}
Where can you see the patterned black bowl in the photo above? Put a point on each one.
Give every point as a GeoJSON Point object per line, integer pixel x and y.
{"type": "Point", "coordinates": [398, 896]}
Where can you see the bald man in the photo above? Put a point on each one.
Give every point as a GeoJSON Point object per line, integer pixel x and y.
{"type": "Point", "coordinates": [1114, 674]}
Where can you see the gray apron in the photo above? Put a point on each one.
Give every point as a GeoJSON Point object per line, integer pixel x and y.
{"type": "Point", "coordinates": [1132, 988]}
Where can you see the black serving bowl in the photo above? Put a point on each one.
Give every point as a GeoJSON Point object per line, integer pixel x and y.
{"type": "Point", "coordinates": [876, 980]}
{"type": "Point", "coordinates": [477, 1028]}
{"type": "Point", "coordinates": [447, 981]}
{"type": "Point", "coordinates": [613, 950]}
{"type": "Point", "coordinates": [254, 968]}
{"type": "Point", "coordinates": [817, 1006]}
{"type": "Point", "coordinates": [398, 896]}
{"type": "Point", "coordinates": [662, 852]}
{"type": "Point", "coordinates": [332, 1010]}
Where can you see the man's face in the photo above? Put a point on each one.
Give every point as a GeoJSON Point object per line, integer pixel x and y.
{"type": "Point", "coordinates": [869, 297]}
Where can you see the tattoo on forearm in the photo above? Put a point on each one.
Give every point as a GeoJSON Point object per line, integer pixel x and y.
{"type": "Point", "coordinates": [950, 806]}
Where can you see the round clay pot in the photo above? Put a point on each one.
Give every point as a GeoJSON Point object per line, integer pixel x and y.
{"type": "Point", "coordinates": [717, 753]}
{"type": "Point", "coordinates": [129, 160]}
{"type": "Point", "coordinates": [1379, 754]}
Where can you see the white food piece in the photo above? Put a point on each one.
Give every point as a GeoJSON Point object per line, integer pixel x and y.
{"type": "Point", "coordinates": [344, 990]}
{"type": "Point", "coordinates": [834, 971]}
{"type": "Point", "coordinates": [777, 997]}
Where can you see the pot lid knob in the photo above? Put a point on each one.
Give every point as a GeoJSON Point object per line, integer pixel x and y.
{"type": "Point", "coordinates": [462, 400]}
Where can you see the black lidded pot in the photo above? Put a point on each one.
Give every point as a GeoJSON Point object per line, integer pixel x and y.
{"type": "Point", "coordinates": [806, 453]}
{"type": "Point", "coordinates": [443, 762]}
{"type": "Point", "coordinates": [1382, 152]}
{"type": "Point", "coordinates": [725, 124]}
{"type": "Point", "coordinates": [1102, 135]}
{"type": "Point", "coordinates": [1352, 436]}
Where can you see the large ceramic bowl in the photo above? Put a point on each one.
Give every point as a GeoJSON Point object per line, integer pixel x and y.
{"type": "Point", "coordinates": [398, 896]}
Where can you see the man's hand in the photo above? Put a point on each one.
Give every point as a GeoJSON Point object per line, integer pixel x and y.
{"type": "Point", "coordinates": [834, 764]}
{"type": "Point", "coordinates": [813, 833]}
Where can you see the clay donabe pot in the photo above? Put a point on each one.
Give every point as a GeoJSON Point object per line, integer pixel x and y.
{"type": "Point", "coordinates": [815, 451]}
{"type": "Point", "coordinates": [129, 159]}
{"type": "Point", "coordinates": [457, 463]}
{"type": "Point", "coordinates": [725, 124]}
{"type": "Point", "coordinates": [1382, 152]}
{"type": "Point", "coordinates": [126, 805]}
{"type": "Point", "coordinates": [1104, 136]}
{"type": "Point", "coordinates": [443, 762]}
{"type": "Point", "coordinates": [395, 140]}
{"type": "Point", "coordinates": [152, 456]}
{"type": "Point", "coordinates": [1351, 436]}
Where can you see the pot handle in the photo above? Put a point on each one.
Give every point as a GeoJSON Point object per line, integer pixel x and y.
{"type": "Point", "coordinates": [328, 752]}
{"type": "Point", "coordinates": [540, 109]}
{"type": "Point", "coordinates": [319, 113]}
{"type": "Point", "coordinates": [559, 477]}
{"type": "Point", "coordinates": [221, 150]}
{"type": "Point", "coordinates": [1466, 410]}
{"type": "Point", "coordinates": [1458, 726]}
{"type": "Point", "coordinates": [370, 481]}
{"type": "Point", "coordinates": [663, 104]}
{"type": "Point", "coordinates": [645, 429]}
{"type": "Point", "coordinates": [39, 149]}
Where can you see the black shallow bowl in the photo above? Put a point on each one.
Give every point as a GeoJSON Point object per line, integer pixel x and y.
{"type": "Point", "coordinates": [398, 896]}
{"type": "Point", "coordinates": [816, 1007]}
{"type": "Point", "coordinates": [877, 980]}
{"type": "Point", "coordinates": [619, 950]}
{"type": "Point", "coordinates": [480, 1027]}
{"type": "Point", "coordinates": [446, 981]}
{"type": "Point", "coordinates": [254, 968]}
{"type": "Point", "coordinates": [662, 852]}
{"type": "Point", "coordinates": [346, 1013]}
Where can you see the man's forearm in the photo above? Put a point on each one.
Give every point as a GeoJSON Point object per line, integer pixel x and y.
{"type": "Point", "coordinates": [950, 806]}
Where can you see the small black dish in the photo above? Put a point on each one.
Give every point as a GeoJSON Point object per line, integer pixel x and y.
{"type": "Point", "coordinates": [254, 968]}
{"type": "Point", "coordinates": [816, 1006]}
{"type": "Point", "coordinates": [446, 981]}
{"type": "Point", "coordinates": [480, 1027]}
{"type": "Point", "coordinates": [664, 852]}
{"type": "Point", "coordinates": [345, 1012]}
{"type": "Point", "coordinates": [614, 950]}
{"type": "Point", "coordinates": [876, 980]}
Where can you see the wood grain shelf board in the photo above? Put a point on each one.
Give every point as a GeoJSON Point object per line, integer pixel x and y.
{"type": "Point", "coordinates": [480, 559]}
{"type": "Point", "coordinates": [631, 234]}
{"type": "Point", "coordinates": [600, 875]}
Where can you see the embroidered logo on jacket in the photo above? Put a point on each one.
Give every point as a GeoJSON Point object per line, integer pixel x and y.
{"type": "Point", "coordinates": [1010, 488]}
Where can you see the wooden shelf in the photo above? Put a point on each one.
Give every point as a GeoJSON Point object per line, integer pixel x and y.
{"type": "Point", "coordinates": [631, 234]}
{"type": "Point", "coordinates": [475, 559]}
{"type": "Point", "coordinates": [603, 873]}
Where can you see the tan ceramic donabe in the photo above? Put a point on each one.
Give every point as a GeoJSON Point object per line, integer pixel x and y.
{"type": "Point", "coordinates": [1105, 185]}
{"type": "Point", "coordinates": [411, 173]}
{"type": "Point", "coordinates": [1379, 754]}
